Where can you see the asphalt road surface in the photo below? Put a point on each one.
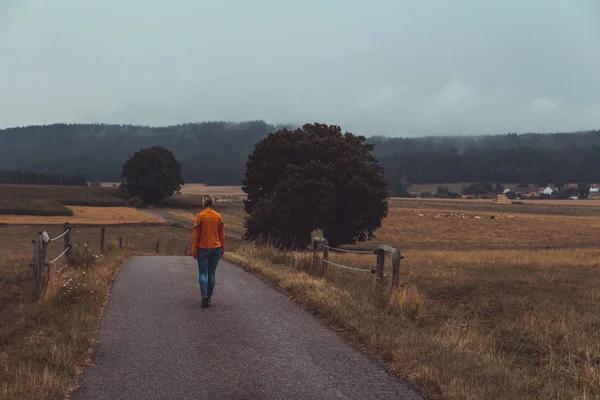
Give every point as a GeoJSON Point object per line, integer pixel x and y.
{"type": "Point", "coordinates": [156, 342]}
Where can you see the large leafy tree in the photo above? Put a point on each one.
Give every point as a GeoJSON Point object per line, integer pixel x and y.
{"type": "Point", "coordinates": [153, 174]}
{"type": "Point", "coordinates": [315, 177]}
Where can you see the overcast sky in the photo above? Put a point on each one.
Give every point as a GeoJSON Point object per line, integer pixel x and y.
{"type": "Point", "coordinates": [398, 68]}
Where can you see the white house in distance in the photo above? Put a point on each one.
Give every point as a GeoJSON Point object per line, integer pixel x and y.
{"type": "Point", "coordinates": [595, 189]}
{"type": "Point", "coordinates": [550, 190]}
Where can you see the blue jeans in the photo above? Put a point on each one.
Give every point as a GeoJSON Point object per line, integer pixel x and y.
{"type": "Point", "coordinates": [207, 268]}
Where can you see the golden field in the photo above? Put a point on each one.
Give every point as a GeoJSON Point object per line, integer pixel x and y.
{"type": "Point", "coordinates": [591, 202]}
{"type": "Point", "coordinates": [201, 189]}
{"type": "Point", "coordinates": [82, 215]}
{"type": "Point", "coordinates": [196, 189]}
{"type": "Point", "coordinates": [453, 228]}
{"type": "Point", "coordinates": [537, 207]}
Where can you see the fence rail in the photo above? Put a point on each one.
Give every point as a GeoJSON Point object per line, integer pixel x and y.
{"type": "Point", "coordinates": [321, 262]}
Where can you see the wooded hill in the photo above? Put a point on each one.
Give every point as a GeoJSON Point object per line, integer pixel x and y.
{"type": "Point", "coordinates": [216, 153]}
{"type": "Point", "coordinates": [210, 152]}
{"type": "Point", "coordinates": [40, 178]}
{"type": "Point", "coordinates": [535, 158]}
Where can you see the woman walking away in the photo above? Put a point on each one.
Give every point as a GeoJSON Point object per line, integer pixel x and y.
{"type": "Point", "coordinates": [208, 246]}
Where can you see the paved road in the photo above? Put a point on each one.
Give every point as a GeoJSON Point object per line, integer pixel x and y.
{"type": "Point", "coordinates": [156, 342]}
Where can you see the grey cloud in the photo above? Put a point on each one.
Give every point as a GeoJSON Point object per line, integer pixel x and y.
{"type": "Point", "coordinates": [376, 67]}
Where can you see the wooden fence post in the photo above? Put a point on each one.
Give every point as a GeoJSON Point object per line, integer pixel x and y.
{"type": "Point", "coordinates": [42, 248]}
{"type": "Point", "coordinates": [33, 242]}
{"type": "Point", "coordinates": [157, 247]}
{"type": "Point", "coordinates": [37, 260]}
{"type": "Point", "coordinates": [315, 250]}
{"type": "Point", "coordinates": [396, 269]}
{"type": "Point", "coordinates": [68, 242]}
{"type": "Point", "coordinates": [45, 267]}
{"type": "Point", "coordinates": [102, 235]}
{"type": "Point", "coordinates": [120, 242]}
{"type": "Point", "coordinates": [380, 264]}
{"type": "Point", "coordinates": [325, 255]}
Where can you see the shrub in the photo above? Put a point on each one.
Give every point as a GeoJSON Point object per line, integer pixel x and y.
{"type": "Point", "coordinates": [135, 202]}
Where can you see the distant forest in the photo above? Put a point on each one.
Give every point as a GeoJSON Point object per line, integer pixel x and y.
{"type": "Point", "coordinates": [534, 158]}
{"type": "Point", "coordinates": [215, 153]}
{"type": "Point", "coordinates": [40, 178]}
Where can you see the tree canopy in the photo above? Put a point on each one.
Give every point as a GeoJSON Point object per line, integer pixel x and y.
{"type": "Point", "coordinates": [315, 177]}
{"type": "Point", "coordinates": [152, 174]}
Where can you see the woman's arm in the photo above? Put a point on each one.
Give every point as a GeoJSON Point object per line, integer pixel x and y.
{"type": "Point", "coordinates": [196, 235]}
{"type": "Point", "coordinates": [222, 236]}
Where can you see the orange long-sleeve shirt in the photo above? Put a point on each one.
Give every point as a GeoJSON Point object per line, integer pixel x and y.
{"type": "Point", "coordinates": [209, 231]}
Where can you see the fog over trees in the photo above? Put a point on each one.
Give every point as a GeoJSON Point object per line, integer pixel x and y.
{"type": "Point", "coordinates": [216, 153]}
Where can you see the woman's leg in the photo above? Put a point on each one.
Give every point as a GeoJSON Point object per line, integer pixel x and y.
{"type": "Point", "coordinates": [213, 261]}
{"type": "Point", "coordinates": [203, 272]}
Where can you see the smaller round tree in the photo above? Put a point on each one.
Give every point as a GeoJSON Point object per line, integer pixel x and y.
{"type": "Point", "coordinates": [152, 174]}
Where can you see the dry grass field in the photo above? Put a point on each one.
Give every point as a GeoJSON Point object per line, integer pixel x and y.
{"type": "Point", "coordinates": [503, 324]}
{"type": "Point", "coordinates": [16, 249]}
{"type": "Point", "coordinates": [590, 202]}
{"type": "Point", "coordinates": [82, 215]}
{"type": "Point", "coordinates": [537, 207]}
{"type": "Point", "coordinates": [456, 228]}
{"type": "Point", "coordinates": [201, 189]}
{"type": "Point", "coordinates": [43, 343]}
{"type": "Point", "coordinates": [503, 308]}
{"type": "Point", "coordinates": [489, 308]}
{"type": "Point", "coordinates": [51, 200]}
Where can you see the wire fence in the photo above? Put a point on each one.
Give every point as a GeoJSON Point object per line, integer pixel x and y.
{"type": "Point", "coordinates": [42, 267]}
{"type": "Point", "coordinates": [349, 251]}
{"type": "Point", "coordinates": [61, 254]}
{"type": "Point", "coordinates": [66, 232]}
{"type": "Point", "coordinates": [349, 268]}
{"type": "Point", "coordinates": [322, 261]}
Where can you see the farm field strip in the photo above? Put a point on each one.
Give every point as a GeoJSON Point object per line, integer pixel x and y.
{"type": "Point", "coordinates": [198, 188]}
{"type": "Point", "coordinates": [87, 216]}
{"type": "Point", "coordinates": [533, 207]}
{"type": "Point", "coordinates": [51, 200]}
{"type": "Point", "coordinates": [569, 203]}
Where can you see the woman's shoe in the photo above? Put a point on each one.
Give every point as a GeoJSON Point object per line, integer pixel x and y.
{"type": "Point", "coordinates": [205, 302]}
